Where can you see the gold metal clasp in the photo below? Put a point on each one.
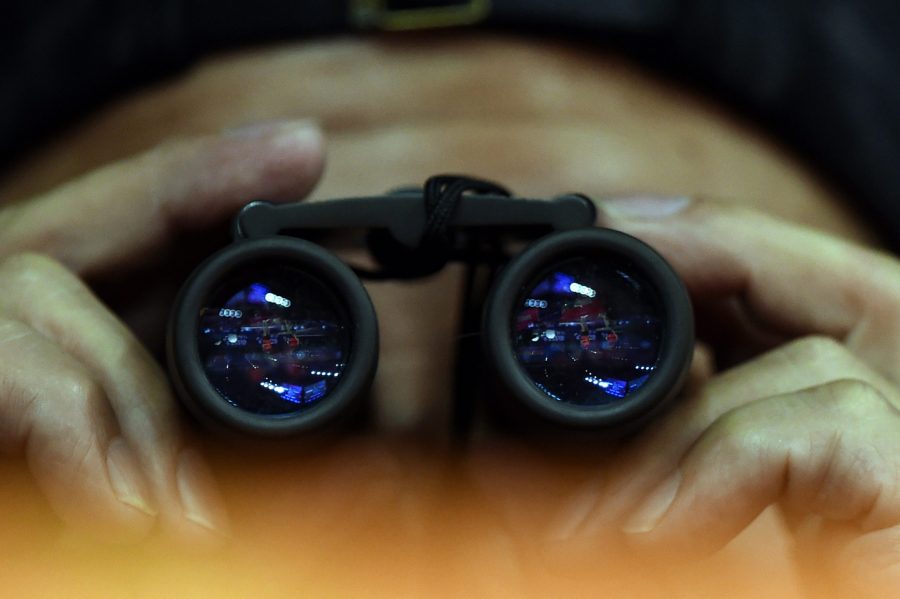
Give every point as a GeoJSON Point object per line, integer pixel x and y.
{"type": "Point", "coordinates": [397, 15]}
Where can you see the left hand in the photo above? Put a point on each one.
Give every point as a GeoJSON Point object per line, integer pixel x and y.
{"type": "Point", "coordinates": [811, 426]}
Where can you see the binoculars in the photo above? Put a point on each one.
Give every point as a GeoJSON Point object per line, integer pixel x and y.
{"type": "Point", "coordinates": [583, 327]}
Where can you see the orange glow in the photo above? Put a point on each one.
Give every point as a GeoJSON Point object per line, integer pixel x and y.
{"type": "Point", "coordinates": [369, 518]}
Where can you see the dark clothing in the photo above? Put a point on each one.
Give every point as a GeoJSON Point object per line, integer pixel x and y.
{"type": "Point", "coordinates": [823, 75]}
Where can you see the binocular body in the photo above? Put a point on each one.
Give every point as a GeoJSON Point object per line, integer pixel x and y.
{"type": "Point", "coordinates": [584, 328]}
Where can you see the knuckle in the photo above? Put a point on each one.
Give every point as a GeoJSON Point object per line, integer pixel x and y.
{"type": "Point", "coordinates": [816, 350]}
{"type": "Point", "coordinates": [65, 421]}
{"type": "Point", "coordinates": [854, 398]}
{"type": "Point", "coordinates": [12, 331]}
{"type": "Point", "coordinates": [25, 267]}
{"type": "Point", "coordinates": [84, 392]}
{"type": "Point", "coordinates": [128, 355]}
{"type": "Point", "coordinates": [738, 433]}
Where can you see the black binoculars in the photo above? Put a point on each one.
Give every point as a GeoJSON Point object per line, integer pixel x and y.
{"type": "Point", "coordinates": [585, 327]}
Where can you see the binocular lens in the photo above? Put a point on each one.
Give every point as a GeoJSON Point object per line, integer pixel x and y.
{"type": "Point", "coordinates": [273, 336]}
{"type": "Point", "coordinates": [590, 329]}
{"type": "Point", "coordinates": [273, 340]}
{"type": "Point", "coordinates": [587, 331]}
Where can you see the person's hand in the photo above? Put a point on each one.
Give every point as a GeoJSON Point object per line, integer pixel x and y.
{"type": "Point", "coordinates": [80, 396]}
{"type": "Point", "coordinates": [810, 425]}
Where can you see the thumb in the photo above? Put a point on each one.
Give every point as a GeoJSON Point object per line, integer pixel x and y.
{"type": "Point", "coordinates": [124, 211]}
{"type": "Point", "coordinates": [788, 279]}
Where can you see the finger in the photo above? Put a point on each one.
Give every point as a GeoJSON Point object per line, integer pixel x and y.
{"type": "Point", "coordinates": [121, 213]}
{"type": "Point", "coordinates": [790, 279]}
{"type": "Point", "coordinates": [830, 451]}
{"type": "Point", "coordinates": [53, 410]}
{"type": "Point", "coordinates": [804, 363]}
{"type": "Point", "coordinates": [58, 305]}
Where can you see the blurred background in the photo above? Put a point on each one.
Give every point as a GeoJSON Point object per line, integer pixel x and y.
{"type": "Point", "coordinates": [789, 106]}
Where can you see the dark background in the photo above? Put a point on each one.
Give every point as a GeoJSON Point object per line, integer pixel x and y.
{"type": "Point", "coordinates": [821, 75]}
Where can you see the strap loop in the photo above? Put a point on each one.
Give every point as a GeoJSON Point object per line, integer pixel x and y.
{"type": "Point", "coordinates": [441, 194]}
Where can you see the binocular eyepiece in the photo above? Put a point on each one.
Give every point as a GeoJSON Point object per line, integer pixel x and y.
{"type": "Point", "coordinates": [586, 328]}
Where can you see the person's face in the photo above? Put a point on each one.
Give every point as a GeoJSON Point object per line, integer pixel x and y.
{"type": "Point", "coordinates": [541, 119]}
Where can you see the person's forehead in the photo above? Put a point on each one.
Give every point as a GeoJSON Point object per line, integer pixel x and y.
{"type": "Point", "coordinates": [542, 117]}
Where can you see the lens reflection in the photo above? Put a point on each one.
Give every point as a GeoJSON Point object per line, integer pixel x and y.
{"type": "Point", "coordinates": [273, 340]}
{"type": "Point", "coordinates": [588, 331]}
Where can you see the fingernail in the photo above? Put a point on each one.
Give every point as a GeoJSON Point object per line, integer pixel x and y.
{"type": "Point", "coordinates": [197, 489]}
{"type": "Point", "coordinates": [651, 511]}
{"type": "Point", "coordinates": [645, 207]}
{"type": "Point", "coordinates": [126, 478]}
{"type": "Point", "coordinates": [298, 132]}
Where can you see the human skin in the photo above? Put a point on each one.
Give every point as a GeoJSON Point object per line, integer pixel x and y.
{"type": "Point", "coordinates": [541, 118]}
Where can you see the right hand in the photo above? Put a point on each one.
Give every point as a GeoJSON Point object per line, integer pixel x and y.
{"type": "Point", "coordinates": [81, 398]}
